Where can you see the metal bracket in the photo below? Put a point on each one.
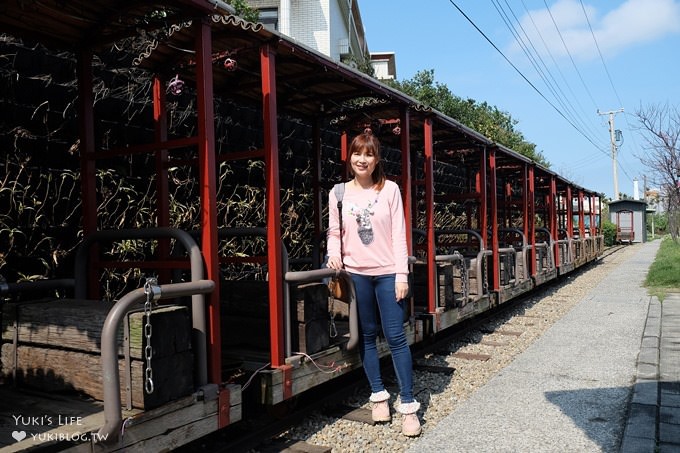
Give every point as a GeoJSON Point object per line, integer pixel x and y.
{"type": "Point", "coordinates": [224, 406]}
{"type": "Point", "coordinates": [287, 372]}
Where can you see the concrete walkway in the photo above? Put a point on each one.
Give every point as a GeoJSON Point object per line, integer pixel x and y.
{"type": "Point", "coordinates": [572, 390]}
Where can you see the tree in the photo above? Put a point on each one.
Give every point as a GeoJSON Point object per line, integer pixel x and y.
{"type": "Point", "coordinates": [244, 10]}
{"type": "Point", "coordinates": [486, 119]}
{"type": "Point", "coordinates": [660, 129]}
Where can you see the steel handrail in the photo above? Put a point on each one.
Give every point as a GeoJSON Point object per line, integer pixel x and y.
{"type": "Point", "coordinates": [198, 317]}
{"type": "Point", "coordinates": [320, 274]}
{"type": "Point", "coordinates": [109, 350]}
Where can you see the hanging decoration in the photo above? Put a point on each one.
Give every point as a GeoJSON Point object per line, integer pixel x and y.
{"type": "Point", "coordinates": [175, 85]}
{"type": "Point", "coordinates": [230, 64]}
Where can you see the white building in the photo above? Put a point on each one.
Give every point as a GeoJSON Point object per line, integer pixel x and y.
{"type": "Point", "coordinates": [331, 27]}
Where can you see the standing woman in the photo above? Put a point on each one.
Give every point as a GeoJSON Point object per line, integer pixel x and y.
{"type": "Point", "coordinates": [374, 252]}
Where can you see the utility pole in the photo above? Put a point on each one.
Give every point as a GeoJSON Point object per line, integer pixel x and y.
{"type": "Point", "coordinates": [612, 137]}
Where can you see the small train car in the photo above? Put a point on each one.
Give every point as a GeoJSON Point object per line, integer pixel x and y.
{"type": "Point", "coordinates": [222, 303]}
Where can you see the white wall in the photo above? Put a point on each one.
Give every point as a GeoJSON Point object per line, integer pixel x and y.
{"type": "Point", "coordinates": [310, 23]}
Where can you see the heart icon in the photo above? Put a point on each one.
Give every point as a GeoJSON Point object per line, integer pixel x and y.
{"type": "Point", "coordinates": [19, 435]}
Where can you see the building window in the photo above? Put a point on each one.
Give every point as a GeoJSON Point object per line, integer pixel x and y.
{"type": "Point", "coordinates": [269, 17]}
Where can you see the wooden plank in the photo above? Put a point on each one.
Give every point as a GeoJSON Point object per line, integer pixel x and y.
{"type": "Point", "coordinates": [312, 336]}
{"type": "Point", "coordinates": [76, 325]}
{"type": "Point", "coordinates": [163, 430]}
{"type": "Point", "coordinates": [311, 301]}
{"type": "Point", "coordinates": [509, 333]}
{"type": "Point", "coordinates": [58, 370]}
{"type": "Point", "coordinates": [171, 331]}
{"type": "Point", "coordinates": [472, 356]}
{"type": "Point", "coordinates": [146, 426]}
{"type": "Point", "coordinates": [70, 323]}
{"type": "Point", "coordinates": [41, 413]}
{"type": "Point", "coordinates": [488, 342]}
{"type": "Point", "coordinates": [304, 447]}
{"type": "Point", "coordinates": [361, 415]}
{"type": "Point", "coordinates": [307, 375]}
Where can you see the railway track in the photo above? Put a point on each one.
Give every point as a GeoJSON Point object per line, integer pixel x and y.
{"type": "Point", "coordinates": [473, 343]}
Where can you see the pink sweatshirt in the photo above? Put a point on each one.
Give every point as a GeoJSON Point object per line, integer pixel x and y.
{"type": "Point", "coordinates": [378, 245]}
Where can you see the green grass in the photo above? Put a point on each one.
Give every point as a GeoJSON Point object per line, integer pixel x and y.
{"type": "Point", "coordinates": [664, 273]}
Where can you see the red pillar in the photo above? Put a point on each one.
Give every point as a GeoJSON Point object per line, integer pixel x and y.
{"type": "Point", "coordinates": [161, 136]}
{"type": "Point", "coordinates": [593, 221]}
{"type": "Point", "coordinates": [581, 216]}
{"type": "Point", "coordinates": [482, 214]}
{"type": "Point", "coordinates": [428, 146]}
{"type": "Point", "coordinates": [318, 202]}
{"type": "Point", "coordinates": [274, 250]}
{"type": "Point", "coordinates": [208, 177]}
{"type": "Point", "coordinates": [495, 258]}
{"type": "Point", "coordinates": [570, 213]}
{"type": "Point", "coordinates": [344, 153]}
{"type": "Point", "coordinates": [525, 202]}
{"type": "Point", "coordinates": [406, 183]}
{"type": "Point", "coordinates": [162, 198]}
{"type": "Point", "coordinates": [531, 199]}
{"type": "Point", "coordinates": [553, 219]}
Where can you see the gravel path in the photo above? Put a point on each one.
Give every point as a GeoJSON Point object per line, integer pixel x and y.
{"type": "Point", "coordinates": [439, 393]}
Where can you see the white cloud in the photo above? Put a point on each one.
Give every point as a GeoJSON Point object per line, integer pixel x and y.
{"type": "Point", "coordinates": [632, 23]}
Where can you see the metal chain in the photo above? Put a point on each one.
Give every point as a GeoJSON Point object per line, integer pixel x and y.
{"type": "Point", "coordinates": [153, 293]}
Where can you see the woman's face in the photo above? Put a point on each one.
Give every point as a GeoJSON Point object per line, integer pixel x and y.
{"type": "Point", "coordinates": [363, 162]}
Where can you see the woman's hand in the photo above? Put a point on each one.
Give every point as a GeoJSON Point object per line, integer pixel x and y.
{"type": "Point", "coordinates": [334, 262]}
{"type": "Point", "coordinates": [401, 290]}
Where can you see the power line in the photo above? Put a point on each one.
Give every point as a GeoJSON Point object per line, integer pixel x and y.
{"type": "Point", "coordinates": [558, 92]}
{"type": "Point", "coordinates": [591, 126]}
{"type": "Point", "coordinates": [522, 75]}
{"type": "Point", "coordinates": [534, 58]}
{"type": "Point", "coordinates": [606, 70]}
{"type": "Point", "coordinates": [597, 46]}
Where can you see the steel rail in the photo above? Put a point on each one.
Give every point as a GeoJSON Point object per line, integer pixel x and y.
{"type": "Point", "coordinates": [109, 351]}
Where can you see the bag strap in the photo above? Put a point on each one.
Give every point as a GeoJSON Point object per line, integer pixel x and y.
{"type": "Point", "coordinates": [339, 190]}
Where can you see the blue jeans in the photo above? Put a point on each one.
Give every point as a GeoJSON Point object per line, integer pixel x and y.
{"type": "Point", "coordinates": [376, 296]}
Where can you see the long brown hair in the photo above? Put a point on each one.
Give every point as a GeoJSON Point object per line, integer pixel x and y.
{"type": "Point", "coordinates": [366, 141]}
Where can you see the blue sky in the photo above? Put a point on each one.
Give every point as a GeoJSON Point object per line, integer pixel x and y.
{"type": "Point", "coordinates": [636, 65]}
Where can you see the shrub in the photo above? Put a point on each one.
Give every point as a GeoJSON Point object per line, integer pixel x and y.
{"type": "Point", "coordinates": [609, 232]}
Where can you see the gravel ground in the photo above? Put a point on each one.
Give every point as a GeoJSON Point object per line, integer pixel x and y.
{"type": "Point", "coordinates": [439, 393]}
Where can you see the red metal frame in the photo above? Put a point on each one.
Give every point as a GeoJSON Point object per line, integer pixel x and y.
{"type": "Point", "coordinates": [493, 181]}
{"type": "Point", "coordinates": [631, 238]}
{"type": "Point", "coordinates": [428, 147]}
{"type": "Point", "coordinates": [531, 212]}
{"type": "Point", "coordinates": [208, 191]}
{"type": "Point", "coordinates": [274, 251]}
{"type": "Point", "coordinates": [162, 200]}
{"type": "Point", "coordinates": [344, 153]}
{"type": "Point", "coordinates": [570, 213]}
{"type": "Point", "coordinates": [318, 202]}
{"type": "Point", "coordinates": [483, 220]}
{"type": "Point", "coordinates": [581, 216]}
{"type": "Point", "coordinates": [406, 187]}
{"type": "Point", "coordinates": [525, 201]}
{"type": "Point", "coordinates": [553, 220]}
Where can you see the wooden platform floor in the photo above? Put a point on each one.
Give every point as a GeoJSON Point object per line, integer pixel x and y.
{"type": "Point", "coordinates": [32, 420]}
